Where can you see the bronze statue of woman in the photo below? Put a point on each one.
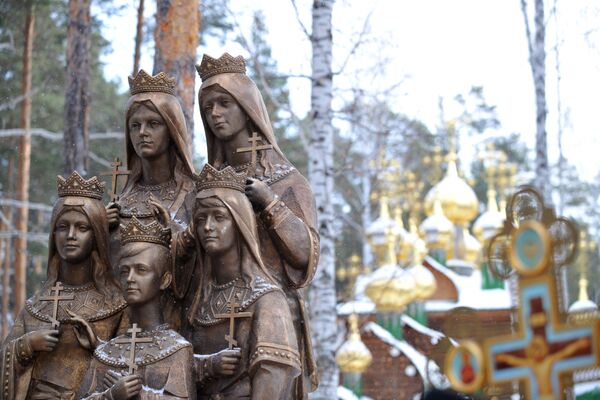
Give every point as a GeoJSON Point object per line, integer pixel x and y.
{"type": "Point", "coordinates": [244, 339]}
{"type": "Point", "coordinates": [159, 163]}
{"type": "Point", "coordinates": [43, 357]}
{"type": "Point", "coordinates": [239, 134]}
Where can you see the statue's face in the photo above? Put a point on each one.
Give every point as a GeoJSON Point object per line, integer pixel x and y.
{"type": "Point", "coordinates": [223, 114]}
{"type": "Point", "coordinates": [140, 273]}
{"type": "Point", "coordinates": [148, 133]}
{"type": "Point", "coordinates": [73, 236]}
{"type": "Point", "coordinates": [215, 227]}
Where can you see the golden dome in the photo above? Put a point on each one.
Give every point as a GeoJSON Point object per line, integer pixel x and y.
{"type": "Point", "coordinates": [353, 356]}
{"type": "Point", "coordinates": [381, 232]}
{"type": "Point", "coordinates": [391, 288]}
{"type": "Point", "coordinates": [490, 222]}
{"type": "Point", "coordinates": [437, 229]}
{"type": "Point", "coordinates": [458, 200]}
{"type": "Point", "coordinates": [425, 282]}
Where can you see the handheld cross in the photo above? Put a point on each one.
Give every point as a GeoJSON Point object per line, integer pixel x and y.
{"type": "Point", "coordinates": [253, 148]}
{"type": "Point", "coordinates": [57, 288]}
{"type": "Point", "coordinates": [134, 330]}
{"type": "Point", "coordinates": [114, 174]}
{"type": "Point", "coordinates": [232, 315]}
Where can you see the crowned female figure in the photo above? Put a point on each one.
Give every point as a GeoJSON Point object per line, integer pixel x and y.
{"type": "Point", "coordinates": [47, 353]}
{"type": "Point", "coordinates": [159, 163]}
{"type": "Point", "coordinates": [239, 134]}
{"type": "Point", "coordinates": [244, 340]}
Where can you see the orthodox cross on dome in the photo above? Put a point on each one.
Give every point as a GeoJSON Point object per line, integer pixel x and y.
{"type": "Point", "coordinates": [232, 315]}
{"type": "Point", "coordinates": [253, 149]}
{"type": "Point", "coordinates": [114, 174]}
{"type": "Point", "coordinates": [134, 330]}
{"type": "Point", "coordinates": [56, 298]}
{"type": "Point", "coordinates": [545, 352]}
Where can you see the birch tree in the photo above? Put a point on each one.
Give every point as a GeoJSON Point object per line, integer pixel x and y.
{"type": "Point", "coordinates": [537, 60]}
{"type": "Point", "coordinates": [76, 115]}
{"type": "Point", "coordinates": [176, 40]}
{"type": "Point", "coordinates": [320, 173]}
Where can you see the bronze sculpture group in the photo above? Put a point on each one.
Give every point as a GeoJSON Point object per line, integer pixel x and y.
{"type": "Point", "coordinates": [185, 285]}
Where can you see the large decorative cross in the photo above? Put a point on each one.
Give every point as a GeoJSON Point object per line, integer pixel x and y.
{"type": "Point", "coordinates": [114, 174]}
{"type": "Point", "coordinates": [56, 298]}
{"type": "Point", "coordinates": [232, 315]}
{"type": "Point", "coordinates": [545, 352]}
{"type": "Point", "coordinates": [134, 330]}
{"type": "Point", "coordinates": [253, 148]}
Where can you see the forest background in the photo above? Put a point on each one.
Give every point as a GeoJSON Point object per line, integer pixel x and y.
{"type": "Point", "coordinates": [378, 113]}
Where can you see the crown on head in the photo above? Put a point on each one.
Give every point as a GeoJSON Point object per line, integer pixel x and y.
{"type": "Point", "coordinates": [76, 185]}
{"type": "Point", "coordinates": [225, 64]}
{"type": "Point", "coordinates": [144, 82]}
{"type": "Point", "coordinates": [154, 232]}
{"type": "Point", "coordinates": [210, 177]}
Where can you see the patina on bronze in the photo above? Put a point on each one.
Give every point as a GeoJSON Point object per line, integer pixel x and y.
{"type": "Point", "coordinates": [47, 351]}
{"type": "Point", "coordinates": [237, 300]}
{"type": "Point", "coordinates": [235, 120]}
{"type": "Point", "coordinates": [160, 166]}
{"type": "Point", "coordinates": [150, 360]}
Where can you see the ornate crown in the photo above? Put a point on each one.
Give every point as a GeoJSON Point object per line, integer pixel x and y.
{"type": "Point", "coordinates": [76, 185]}
{"type": "Point", "coordinates": [154, 232]}
{"type": "Point", "coordinates": [211, 177]}
{"type": "Point", "coordinates": [144, 82]}
{"type": "Point", "coordinates": [225, 64]}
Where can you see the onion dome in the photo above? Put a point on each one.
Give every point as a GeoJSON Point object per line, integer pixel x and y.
{"type": "Point", "coordinates": [472, 247]}
{"type": "Point", "coordinates": [437, 229]}
{"type": "Point", "coordinates": [424, 280]}
{"type": "Point", "coordinates": [583, 304]}
{"type": "Point", "coordinates": [489, 222]}
{"type": "Point", "coordinates": [403, 242]}
{"type": "Point", "coordinates": [380, 230]}
{"type": "Point", "coordinates": [353, 356]}
{"type": "Point", "coordinates": [391, 288]}
{"type": "Point", "coordinates": [456, 197]}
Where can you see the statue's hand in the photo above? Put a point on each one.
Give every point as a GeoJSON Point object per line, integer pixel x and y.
{"type": "Point", "coordinates": [112, 213]}
{"type": "Point", "coordinates": [225, 362]}
{"type": "Point", "coordinates": [83, 331]}
{"type": "Point", "coordinates": [42, 340]}
{"type": "Point", "coordinates": [110, 379]}
{"type": "Point", "coordinates": [160, 212]}
{"type": "Point", "coordinates": [126, 387]}
{"type": "Point", "coordinates": [259, 193]}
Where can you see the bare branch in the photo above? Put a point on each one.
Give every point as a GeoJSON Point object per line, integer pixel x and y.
{"type": "Point", "coordinates": [527, 29]}
{"type": "Point", "coordinates": [13, 103]}
{"type": "Point", "coordinates": [356, 44]}
{"type": "Point", "coordinates": [308, 35]}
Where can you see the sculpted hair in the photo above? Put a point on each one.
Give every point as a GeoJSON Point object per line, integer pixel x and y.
{"type": "Point", "coordinates": [135, 248]}
{"type": "Point", "coordinates": [101, 271]}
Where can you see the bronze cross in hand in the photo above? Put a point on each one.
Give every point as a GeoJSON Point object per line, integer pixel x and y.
{"type": "Point", "coordinates": [114, 174]}
{"type": "Point", "coordinates": [254, 147]}
{"type": "Point", "coordinates": [134, 330]}
{"type": "Point", "coordinates": [232, 315]}
{"type": "Point", "coordinates": [57, 288]}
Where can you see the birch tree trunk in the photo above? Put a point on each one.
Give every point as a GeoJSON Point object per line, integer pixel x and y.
{"type": "Point", "coordinates": [138, 38]}
{"type": "Point", "coordinates": [537, 61]}
{"type": "Point", "coordinates": [176, 39]}
{"type": "Point", "coordinates": [24, 164]}
{"type": "Point", "coordinates": [320, 173]}
{"type": "Point", "coordinates": [77, 86]}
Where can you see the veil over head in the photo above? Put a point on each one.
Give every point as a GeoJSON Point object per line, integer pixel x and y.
{"type": "Point", "coordinates": [246, 93]}
{"type": "Point", "coordinates": [169, 108]}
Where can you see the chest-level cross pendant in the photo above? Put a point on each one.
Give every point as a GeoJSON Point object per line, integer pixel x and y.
{"type": "Point", "coordinates": [114, 174]}
{"type": "Point", "coordinates": [253, 149]}
{"type": "Point", "coordinates": [56, 298]}
{"type": "Point", "coordinates": [232, 315]}
{"type": "Point", "coordinates": [134, 330]}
